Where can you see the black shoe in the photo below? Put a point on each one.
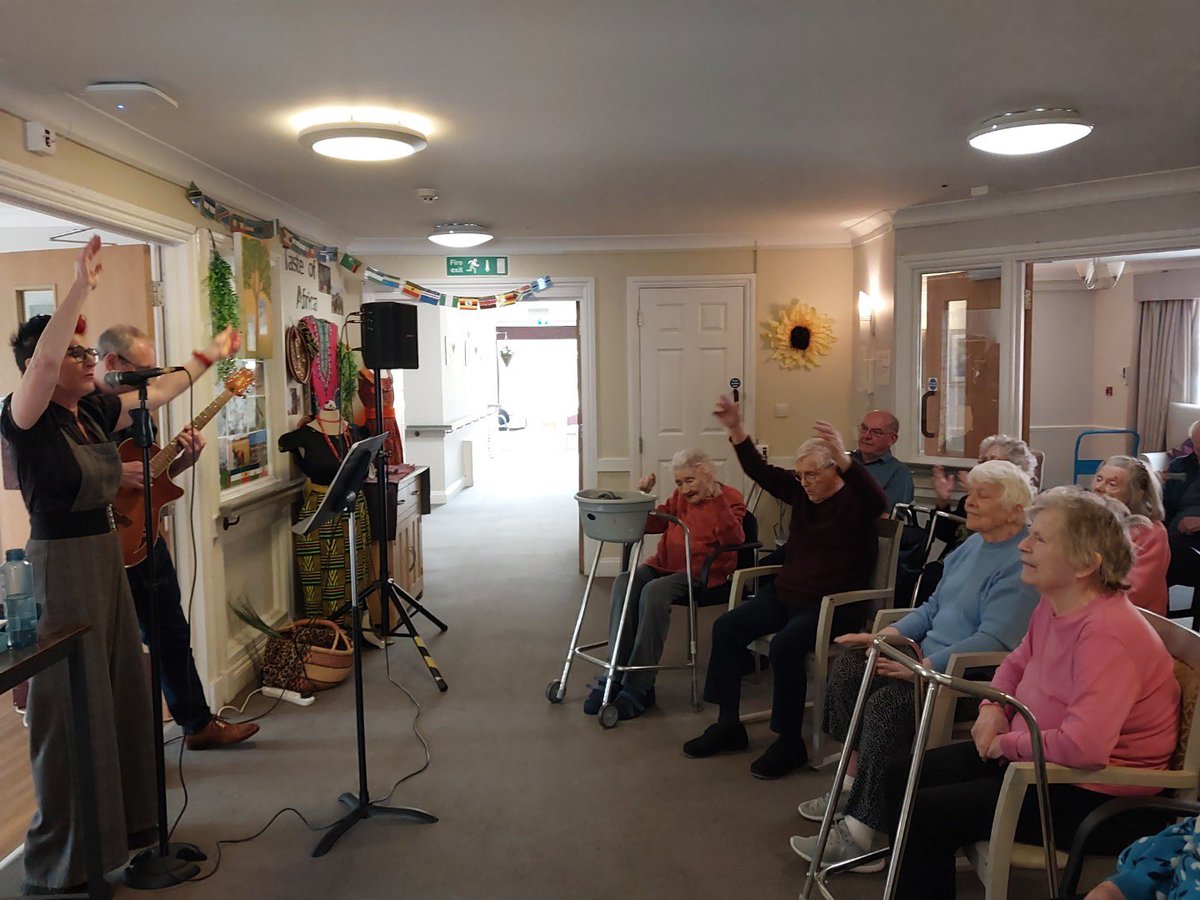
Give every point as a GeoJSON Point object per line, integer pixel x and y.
{"type": "Point", "coordinates": [595, 699]}
{"type": "Point", "coordinates": [631, 704]}
{"type": "Point", "coordinates": [780, 758]}
{"type": "Point", "coordinates": [717, 739]}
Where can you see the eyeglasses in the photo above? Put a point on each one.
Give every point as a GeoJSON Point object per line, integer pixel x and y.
{"type": "Point", "coordinates": [806, 477]}
{"type": "Point", "coordinates": [873, 432]}
{"type": "Point", "coordinates": [81, 354]}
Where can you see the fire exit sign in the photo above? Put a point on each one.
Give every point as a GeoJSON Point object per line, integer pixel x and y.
{"type": "Point", "coordinates": [476, 265]}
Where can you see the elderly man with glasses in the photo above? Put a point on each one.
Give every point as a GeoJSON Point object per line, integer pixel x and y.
{"type": "Point", "coordinates": [831, 547]}
{"type": "Point", "coordinates": [877, 433]}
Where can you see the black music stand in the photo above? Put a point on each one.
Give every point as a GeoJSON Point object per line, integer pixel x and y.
{"type": "Point", "coordinates": [340, 498]}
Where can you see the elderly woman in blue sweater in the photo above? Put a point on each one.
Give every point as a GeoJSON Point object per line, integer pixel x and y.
{"type": "Point", "coordinates": [979, 605]}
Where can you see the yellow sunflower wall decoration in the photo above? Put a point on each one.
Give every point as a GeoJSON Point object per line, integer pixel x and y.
{"type": "Point", "coordinates": [800, 336]}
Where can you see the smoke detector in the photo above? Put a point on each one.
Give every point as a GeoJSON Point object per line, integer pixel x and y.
{"type": "Point", "coordinates": [127, 96]}
{"type": "Point", "coordinates": [427, 195]}
{"type": "Point", "coordinates": [1100, 276]}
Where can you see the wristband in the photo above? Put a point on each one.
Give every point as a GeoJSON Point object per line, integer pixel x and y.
{"type": "Point", "coordinates": [203, 358]}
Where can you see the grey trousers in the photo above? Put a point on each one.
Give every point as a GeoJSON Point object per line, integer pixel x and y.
{"type": "Point", "coordinates": [648, 621]}
{"type": "Point", "coordinates": [82, 581]}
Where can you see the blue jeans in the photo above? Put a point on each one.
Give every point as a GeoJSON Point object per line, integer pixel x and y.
{"type": "Point", "coordinates": [180, 682]}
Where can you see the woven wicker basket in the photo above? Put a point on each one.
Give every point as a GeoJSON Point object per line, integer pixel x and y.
{"type": "Point", "coordinates": [326, 667]}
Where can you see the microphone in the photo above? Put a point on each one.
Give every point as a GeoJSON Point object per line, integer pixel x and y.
{"type": "Point", "coordinates": [137, 376]}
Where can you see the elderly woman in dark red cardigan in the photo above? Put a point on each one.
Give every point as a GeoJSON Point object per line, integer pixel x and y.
{"type": "Point", "coordinates": [831, 547]}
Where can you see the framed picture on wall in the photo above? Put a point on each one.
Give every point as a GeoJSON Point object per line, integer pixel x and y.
{"type": "Point", "coordinates": [35, 301]}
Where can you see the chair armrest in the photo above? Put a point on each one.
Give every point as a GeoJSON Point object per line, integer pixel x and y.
{"type": "Point", "coordinates": [1106, 811]}
{"type": "Point", "coordinates": [845, 597]}
{"type": "Point", "coordinates": [739, 577]}
{"type": "Point", "coordinates": [886, 617]}
{"type": "Point", "coordinates": [702, 579]}
{"type": "Point", "coordinates": [1021, 773]}
{"type": "Point", "coordinates": [977, 659]}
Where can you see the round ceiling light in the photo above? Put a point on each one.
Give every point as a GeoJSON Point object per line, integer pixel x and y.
{"type": "Point", "coordinates": [1030, 131]}
{"type": "Point", "coordinates": [363, 141]}
{"type": "Point", "coordinates": [456, 234]}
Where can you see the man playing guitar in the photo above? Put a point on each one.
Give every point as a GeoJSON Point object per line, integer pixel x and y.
{"type": "Point", "coordinates": [125, 348]}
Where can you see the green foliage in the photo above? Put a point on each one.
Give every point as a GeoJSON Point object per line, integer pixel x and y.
{"type": "Point", "coordinates": [223, 304]}
{"type": "Point", "coordinates": [347, 379]}
{"type": "Point", "coordinates": [244, 611]}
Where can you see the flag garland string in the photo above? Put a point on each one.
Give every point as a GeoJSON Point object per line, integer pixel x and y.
{"type": "Point", "coordinates": [267, 228]}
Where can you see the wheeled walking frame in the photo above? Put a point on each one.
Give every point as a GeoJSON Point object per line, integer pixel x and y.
{"type": "Point", "coordinates": [933, 680]}
{"type": "Point", "coordinates": [620, 517]}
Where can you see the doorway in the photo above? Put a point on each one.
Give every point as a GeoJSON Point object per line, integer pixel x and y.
{"type": "Point", "coordinates": [534, 444]}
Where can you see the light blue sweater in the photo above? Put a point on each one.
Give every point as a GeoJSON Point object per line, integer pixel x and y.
{"type": "Point", "coordinates": [980, 603]}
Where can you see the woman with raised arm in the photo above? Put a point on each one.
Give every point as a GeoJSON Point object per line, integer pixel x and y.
{"type": "Point", "coordinates": [60, 430]}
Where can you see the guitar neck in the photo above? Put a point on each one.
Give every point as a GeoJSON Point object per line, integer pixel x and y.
{"type": "Point", "coordinates": [163, 458]}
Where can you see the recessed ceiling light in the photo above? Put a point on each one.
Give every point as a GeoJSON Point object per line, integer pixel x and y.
{"type": "Point", "coordinates": [1030, 131]}
{"type": "Point", "coordinates": [362, 142]}
{"type": "Point", "coordinates": [460, 234]}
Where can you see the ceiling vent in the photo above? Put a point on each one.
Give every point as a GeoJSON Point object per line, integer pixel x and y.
{"type": "Point", "coordinates": [1100, 276]}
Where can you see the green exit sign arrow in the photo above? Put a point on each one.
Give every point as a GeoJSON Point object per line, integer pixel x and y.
{"type": "Point", "coordinates": [476, 265]}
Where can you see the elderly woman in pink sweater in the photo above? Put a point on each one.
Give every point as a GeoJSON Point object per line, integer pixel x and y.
{"type": "Point", "coordinates": [1130, 481]}
{"type": "Point", "coordinates": [1091, 670]}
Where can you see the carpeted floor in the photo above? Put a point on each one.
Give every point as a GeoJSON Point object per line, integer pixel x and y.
{"type": "Point", "coordinates": [535, 800]}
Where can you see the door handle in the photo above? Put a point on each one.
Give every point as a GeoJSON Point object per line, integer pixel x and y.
{"type": "Point", "coordinates": [925, 432]}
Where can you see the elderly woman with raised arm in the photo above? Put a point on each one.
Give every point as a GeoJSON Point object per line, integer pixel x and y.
{"type": "Point", "coordinates": [980, 604]}
{"type": "Point", "coordinates": [713, 513]}
{"type": "Point", "coordinates": [1091, 669]}
{"type": "Point", "coordinates": [831, 547]}
{"type": "Point", "coordinates": [1130, 481]}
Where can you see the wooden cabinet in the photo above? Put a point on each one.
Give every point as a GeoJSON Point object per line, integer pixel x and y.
{"type": "Point", "coordinates": [412, 501]}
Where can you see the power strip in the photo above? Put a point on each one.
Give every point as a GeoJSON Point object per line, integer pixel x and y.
{"type": "Point", "coordinates": [289, 696]}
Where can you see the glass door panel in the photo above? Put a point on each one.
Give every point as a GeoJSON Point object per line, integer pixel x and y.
{"type": "Point", "coordinates": [961, 330]}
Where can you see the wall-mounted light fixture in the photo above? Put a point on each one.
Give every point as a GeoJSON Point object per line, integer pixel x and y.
{"type": "Point", "coordinates": [866, 310]}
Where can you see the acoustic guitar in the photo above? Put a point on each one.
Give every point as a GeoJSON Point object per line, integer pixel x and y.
{"type": "Point", "coordinates": [129, 509]}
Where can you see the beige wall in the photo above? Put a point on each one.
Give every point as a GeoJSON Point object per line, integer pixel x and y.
{"type": "Point", "coordinates": [875, 273]}
{"type": "Point", "coordinates": [96, 172]}
{"type": "Point", "coordinates": [821, 278]}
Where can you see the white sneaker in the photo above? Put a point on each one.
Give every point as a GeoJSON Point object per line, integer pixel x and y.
{"type": "Point", "coordinates": [839, 848]}
{"type": "Point", "coordinates": [814, 810]}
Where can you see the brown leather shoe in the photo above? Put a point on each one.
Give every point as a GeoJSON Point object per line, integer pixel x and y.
{"type": "Point", "coordinates": [219, 733]}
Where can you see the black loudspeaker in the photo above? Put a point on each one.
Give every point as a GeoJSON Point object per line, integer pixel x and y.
{"type": "Point", "coordinates": [389, 335]}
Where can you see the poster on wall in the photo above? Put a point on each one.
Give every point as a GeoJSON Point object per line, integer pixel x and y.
{"type": "Point", "coordinates": [252, 263]}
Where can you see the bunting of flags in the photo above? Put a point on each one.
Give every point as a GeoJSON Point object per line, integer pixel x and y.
{"type": "Point", "coordinates": [264, 229]}
{"type": "Point", "coordinates": [231, 219]}
{"type": "Point", "coordinates": [305, 247]}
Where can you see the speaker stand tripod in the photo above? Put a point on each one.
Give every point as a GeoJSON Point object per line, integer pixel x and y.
{"type": "Point", "coordinates": [391, 595]}
{"type": "Point", "coordinates": [340, 499]}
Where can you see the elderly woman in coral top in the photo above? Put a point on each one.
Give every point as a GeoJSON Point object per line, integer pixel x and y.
{"type": "Point", "coordinates": [713, 513]}
{"type": "Point", "coordinates": [1129, 481]}
{"type": "Point", "coordinates": [1093, 672]}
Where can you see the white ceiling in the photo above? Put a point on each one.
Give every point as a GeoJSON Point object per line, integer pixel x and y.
{"type": "Point", "coordinates": [1135, 264]}
{"type": "Point", "coordinates": [780, 121]}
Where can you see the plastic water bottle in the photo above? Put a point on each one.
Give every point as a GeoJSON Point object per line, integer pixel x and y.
{"type": "Point", "coordinates": [16, 575]}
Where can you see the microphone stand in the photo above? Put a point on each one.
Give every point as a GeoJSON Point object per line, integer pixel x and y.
{"type": "Point", "coordinates": [165, 864]}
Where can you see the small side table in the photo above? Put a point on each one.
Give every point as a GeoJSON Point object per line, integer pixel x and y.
{"type": "Point", "coordinates": [17, 666]}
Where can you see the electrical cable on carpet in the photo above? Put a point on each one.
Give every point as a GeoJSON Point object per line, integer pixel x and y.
{"type": "Point", "coordinates": [314, 828]}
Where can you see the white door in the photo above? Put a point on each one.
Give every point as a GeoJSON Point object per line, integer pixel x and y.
{"type": "Point", "coordinates": [691, 345]}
